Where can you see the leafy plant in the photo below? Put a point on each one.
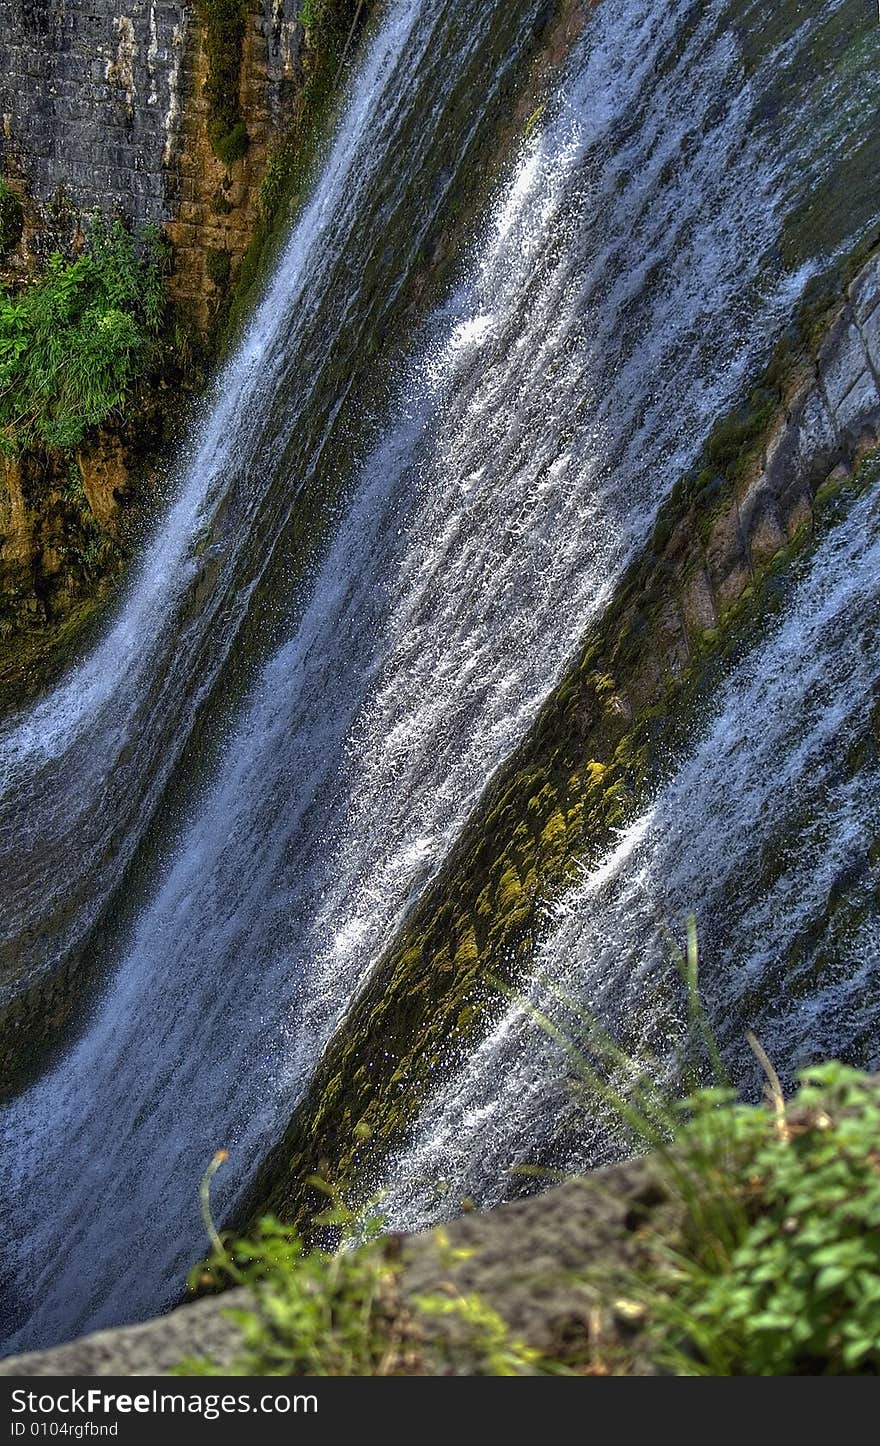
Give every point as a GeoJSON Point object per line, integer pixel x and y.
{"type": "Point", "coordinates": [769, 1264]}
{"type": "Point", "coordinates": [73, 343]}
{"type": "Point", "coordinates": [778, 1272]}
{"type": "Point", "coordinates": [487, 1344]}
{"type": "Point", "coordinates": [340, 1313]}
{"type": "Point", "coordinates": [313, 1313]}
{"type": "Point", "coordinates": [775, 1268]}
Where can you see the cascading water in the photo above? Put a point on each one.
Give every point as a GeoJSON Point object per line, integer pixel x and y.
{"type": "Point", "coordinates": [627, 282]}
{"type": "Point", "coordinates": [768, 781]}
{"type": "Point", "coordinates": [76, 793]}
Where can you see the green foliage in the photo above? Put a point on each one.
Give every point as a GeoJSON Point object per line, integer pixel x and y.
{"type": "Point", "coordinates": [224, 22]}
{"type": "Point", "coordinates": [326, 22]}
{"type": "Point", "coordinates": [314, 1314]}
{"type": "Point", "coordinates": [779, 1270]}
{"type": "Point", "coordinates": [770, 1265]}
{"type": "Point", "coordinates": [321, 1313]}
{"type": "Point", "coordinates": [310, 14]}
{"type": "Point", "coordinates": [487, 1345]}
{"type": "Point", "coordinates": [774, 1265]}
{"type": "Point", "coordinates": [11, 219]}
{"type": "Point", "coordinates": [72, 344]}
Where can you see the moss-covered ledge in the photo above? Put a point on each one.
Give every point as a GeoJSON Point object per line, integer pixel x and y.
{"type": "Point", "coordinates": [726, 548]}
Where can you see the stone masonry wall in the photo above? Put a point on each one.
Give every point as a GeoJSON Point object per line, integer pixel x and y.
{"type": "Point", "coordinates": [90, 92]}
{"type": "Point", "coordinates": [103, 109]}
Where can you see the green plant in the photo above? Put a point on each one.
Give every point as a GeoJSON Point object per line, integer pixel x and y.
{"type": "Point", "coordinates": [73, 343]}
{"type": "Point", "coordinates": [321, 1313]}
{"type": "Point", "coordinates": [774, 1267]}
{"type": "Point", "coordinates": [487, 1344]}
{"type": "Point", "coordinates": [218, 266]}
{"type": "Point", "coordinates": [778, 1269]}
{"type": "Point", "coordinates": [313, 1312]}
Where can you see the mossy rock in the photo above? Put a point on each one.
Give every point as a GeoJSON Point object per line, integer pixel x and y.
{"type": "Point", "coordinates": [11, 220]}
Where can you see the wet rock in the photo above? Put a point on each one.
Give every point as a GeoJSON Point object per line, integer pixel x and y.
{"type": "Point", "coordinates": [871, 335]}
{"type": "Point", "coordinates": [814, 439]}
{"type": "Point", "coordinates": [104, 478]}
{"type": "Point", "coordinates": [761, 524]}
{"type": "Point", "coordinates": [864, 294]}
{"type": "Point", "coordinates": [846, 378]}
{"type": "Point", "coordinates": [672, 638]}
{"type": "Point", "coordinates": [727, 562]}
{"type": "Point", "coordinates": [698, 604]}
{"type": "Point", "coordinates": [797, 510]}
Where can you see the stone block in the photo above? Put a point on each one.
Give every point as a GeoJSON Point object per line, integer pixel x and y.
{"type": "Point", "coordinates": [842, 363]}
{"type": "Point", "coordinates": [859, 409]}
{"type": "Point", "coordinates": [764, 532]}
{"type": "Point", "coordinates": [815, 439]}
{"type": "Point", "coordinates": [870, 329]}
{"type": "Point", "coordinates": [725, 554]}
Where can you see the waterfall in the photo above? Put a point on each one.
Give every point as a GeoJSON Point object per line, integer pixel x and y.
{"type": "Point", "coordinates": [768, 780]}
{"type": "Point", "coordinates": [72, 791]}
{"type": "Point", "coordinates": [624, 283]}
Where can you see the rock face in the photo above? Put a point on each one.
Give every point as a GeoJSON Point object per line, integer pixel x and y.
{"type": "Point", "coordinates": [59, 545]}
{"type": "Point", "coordinates": [92, 101]}
{"type": "Point", "coordinates": [104, 108]}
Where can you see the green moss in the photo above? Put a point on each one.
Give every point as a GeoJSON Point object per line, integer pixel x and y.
{"type": "Point", "coordinates": [590, 762]}
{"type": "Point", "coordinates": [467, 952]}
{"type": "Point", "coordinates": [218, 266]}
{"type": "Point", "coordinates": [220, 202]}
{"type": "Point", "coordinates": [554, 832]}
{"type": "Point", "coordinates": [224, 25]}
{"type": "Point", "coordinates": [11, 220]}
{"type": "Point", "coordinates": [330, 25]}
{"type": "Point", "coordinates": [509, 891]}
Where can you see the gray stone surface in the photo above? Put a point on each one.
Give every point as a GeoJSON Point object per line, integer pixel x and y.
{"type": "Point", "coordinates": [90, 93]}
{"type": "Point", "coordinates": [529, 1260]}
{"type": "Point", "coordinates": [871, 333]}
{"type": "Point", "coordinates": [865, 291]}
{"type": "Point", "coordinates": [151, 1349]}
{"type": "Point", "coordinates": [95, 96]}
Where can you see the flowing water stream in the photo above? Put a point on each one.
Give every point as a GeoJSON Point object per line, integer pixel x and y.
{"type": "Point", "coordinates": [627, 278]}
{"type": "Point", "coordinates": [755, 831]}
